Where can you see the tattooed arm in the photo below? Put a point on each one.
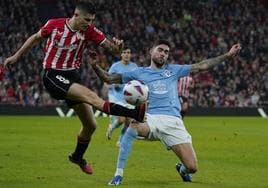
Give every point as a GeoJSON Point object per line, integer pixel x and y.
{"type": "Point", "coordinates": [114, 46]}
{"type": "Point", "coordinates": [102, 74]}
{"type": "Point", "coordinates": [106, 77]}
{"type": "Point", "coordinates": [208, 63]}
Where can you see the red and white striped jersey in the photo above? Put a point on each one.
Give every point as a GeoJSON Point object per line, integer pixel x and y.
{"type": "Point", "coordinates": [184, 84]}
{"type": "Point", "coordinates": [64, 47]}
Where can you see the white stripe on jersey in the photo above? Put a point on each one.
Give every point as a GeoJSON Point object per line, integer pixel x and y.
{"type": "Point", "coordinates": [76, 53]}
{"type": "Point", "coordinates": [49, 48]}
{"type": "Point", "coordinates": [69, 53]}
{"type": "Point", "coordinates": [59, 50]}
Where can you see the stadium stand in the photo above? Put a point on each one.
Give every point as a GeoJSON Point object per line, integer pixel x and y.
{"type": "Point", "coordinates": [197, 30]}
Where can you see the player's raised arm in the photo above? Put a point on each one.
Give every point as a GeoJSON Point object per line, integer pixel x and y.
{"type": "Point", "coordinates": [28, 44]}
{"type": "Point", "coordinates": [114, 46]}
{"type": "Point", "coordinates": [208, 63]}
{"type": "Point", "coordinates": [102, 74]}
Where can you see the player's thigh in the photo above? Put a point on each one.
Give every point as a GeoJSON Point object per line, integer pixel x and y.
{"type": "Point", "coordinates": [186, 154]}
{"type": "Point", "coordinates": [121, 119]}
{"type": "Point", "coordinates": [86, 115]}
{"type": "Point", "coordinates": [79, 92]}
{"type": "Point", "coordinates": [143, 129]}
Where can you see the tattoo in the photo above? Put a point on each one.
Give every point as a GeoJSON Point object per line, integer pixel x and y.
{"type": "Point", "coordinates": [208, 63]}
{"type": "Point", "coordinates": [111, 47]}
{"type": "Point", "coordinates": [106, 77]}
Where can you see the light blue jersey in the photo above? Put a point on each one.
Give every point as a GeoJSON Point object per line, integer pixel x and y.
{"type": "Point", "coordinates": [116, 91]}
{"type": "Point", "coordinates": [162, 83]}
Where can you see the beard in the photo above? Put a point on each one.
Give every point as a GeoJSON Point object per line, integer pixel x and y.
{"type": "Point", "coordinates": [159, 62]}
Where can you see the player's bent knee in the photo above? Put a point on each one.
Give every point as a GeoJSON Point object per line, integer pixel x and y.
{"type": "Point", "coordinates": [133, 123]}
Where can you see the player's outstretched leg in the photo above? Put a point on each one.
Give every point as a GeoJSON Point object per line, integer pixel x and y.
{"type": "Point", "coordinates": [114, 109]}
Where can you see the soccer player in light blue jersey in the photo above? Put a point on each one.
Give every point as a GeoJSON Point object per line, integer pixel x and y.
{"type": "Point", "coordinates": [115, 92]}
{"type": "Point", "coordinates": [164, 121]}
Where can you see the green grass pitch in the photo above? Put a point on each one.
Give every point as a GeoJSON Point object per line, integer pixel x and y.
{"type": "Point", "coordinates": [232, 152]}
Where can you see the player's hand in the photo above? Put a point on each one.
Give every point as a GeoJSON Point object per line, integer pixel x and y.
{"type": "Point", "coordinates": [119, 43]}
{"type": "Point", "coordinates": [9, 61]}
{"type": "Point", "coordinates": [234, 51]}
{"type": "Point", "coordinates": [94, 58]}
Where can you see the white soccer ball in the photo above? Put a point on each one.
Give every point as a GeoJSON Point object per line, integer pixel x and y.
{"type": "Point", "coordinates": [135, 92]}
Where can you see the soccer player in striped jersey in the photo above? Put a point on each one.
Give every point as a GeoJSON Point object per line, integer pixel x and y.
{"type": "Point", "coordinates": [184, 84]}
{"type": "Point", "coordinates": [66, 40]}
{"type": "Point", "coordinates": [115, 92]}
{"type": "Point", "coordinates": [163, 120]}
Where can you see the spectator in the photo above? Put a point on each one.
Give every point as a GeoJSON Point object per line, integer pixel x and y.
{"type": "Point", "coordinates": [209, 26]}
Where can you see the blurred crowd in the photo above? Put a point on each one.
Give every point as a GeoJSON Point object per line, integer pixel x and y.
{"type": "Point", "coordinates": [197, 30]}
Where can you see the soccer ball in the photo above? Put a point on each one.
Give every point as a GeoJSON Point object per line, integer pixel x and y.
{"type": "Point", "coordinates": [135, 92]}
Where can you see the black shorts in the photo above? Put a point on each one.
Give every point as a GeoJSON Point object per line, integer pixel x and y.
{"type": "Point", "coordinates": [58, 82]}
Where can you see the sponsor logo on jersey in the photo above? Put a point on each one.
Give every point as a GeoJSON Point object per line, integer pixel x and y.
{"type": "Point", "coordinates": [159, 88]}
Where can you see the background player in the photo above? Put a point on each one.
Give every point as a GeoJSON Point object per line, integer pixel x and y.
{"type": "Point", "coordinates": [115, 92]}
{"type": "Point", "coordinates": [184, 84]}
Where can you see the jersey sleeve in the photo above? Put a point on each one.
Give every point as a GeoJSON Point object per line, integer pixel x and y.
{"type": "Point", "coordinates": [130, 75]}
{"type": "Point", "coordinates": [95, 35]}
{"type": "Point", "coordinates": [182, 70]}
{"type": "Point", "coordinates": [47, 29]}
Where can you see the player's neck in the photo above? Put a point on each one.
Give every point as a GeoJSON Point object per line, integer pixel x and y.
{"type": "Point", "coordinates": [71, 24]}
{"type": "Point", "coordinates": [125, 62]}
{"type": "Point", "coordinates": [156, 66]}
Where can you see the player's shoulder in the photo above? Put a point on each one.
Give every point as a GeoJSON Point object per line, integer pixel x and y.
{"type": "Point", "coordinates": [133, 64]}
{"type": "Point", "coordinates": [142, 69]}
{"type": "Point", "coordinates": [116, 64]}
{"type": "Point", "coordinates": [176, 66]}
{"type": "Point", "coordinates": [56, 21]}
{"type": "Point", "coordinates": [171, 65]}
{"type": "Point", "coordinates": [93, 28]}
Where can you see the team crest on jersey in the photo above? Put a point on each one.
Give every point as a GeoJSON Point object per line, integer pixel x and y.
{"type": "Point", "coordinates": [66, 47]}
{"type": "Point", "coordinates": [166, 73]}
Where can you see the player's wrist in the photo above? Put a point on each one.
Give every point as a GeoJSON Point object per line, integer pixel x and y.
{"type": "Point", "coordinates": [94, 66]}
{"type": "Point", "coordinates": [228, 55]}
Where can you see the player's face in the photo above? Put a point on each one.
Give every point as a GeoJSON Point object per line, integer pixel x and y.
{"type": "Point", "coordinates": [83, 20]}
{"type": "Point", "coordinates": [126, 55]}
{"type": "Point", "coordinates": [159, 54]}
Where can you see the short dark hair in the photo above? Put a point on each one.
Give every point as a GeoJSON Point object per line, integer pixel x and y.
{"type": "Point", "coordinates": [126, 47]}
{"type": "Point", "coordinates": [87, 7]}
{"type": "Point", "coordinates": [162, 41]}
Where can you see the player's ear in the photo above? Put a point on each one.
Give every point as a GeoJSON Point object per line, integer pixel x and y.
{"type": "Point", "coordinates": [76, 13]}
{"type": "Point", "coordinates": [151, 50]}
